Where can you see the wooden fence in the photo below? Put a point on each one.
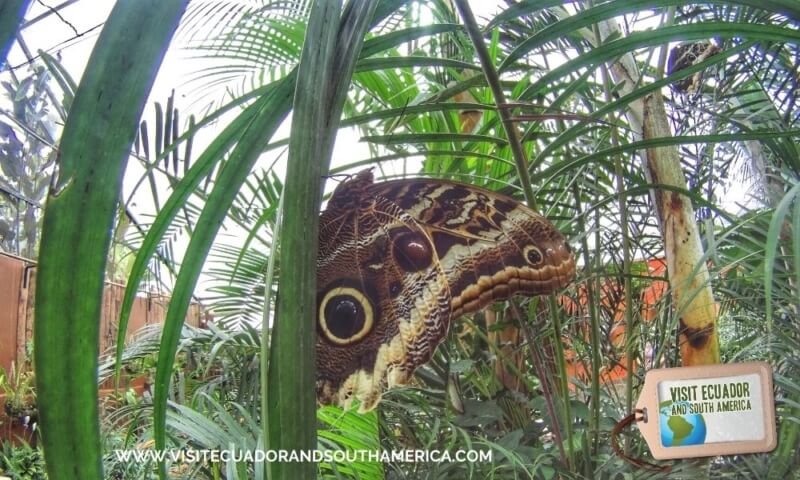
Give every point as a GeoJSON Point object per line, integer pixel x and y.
{"type": "Point", "coordinates": [17, 288]}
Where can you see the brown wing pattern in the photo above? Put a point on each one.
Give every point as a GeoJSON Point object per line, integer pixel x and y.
{"type": "Point", "coordinates": [398, 260]}
{"type": "Point", "coordinates": [380, 294]}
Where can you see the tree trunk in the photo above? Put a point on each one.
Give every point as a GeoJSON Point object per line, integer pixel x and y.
{"type": "Point", "coordinates": [688, 274]}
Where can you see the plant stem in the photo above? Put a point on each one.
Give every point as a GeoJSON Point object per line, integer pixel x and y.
{"type": "Point", "coordinates": [664, 49]}
{"type": "Point", "coordinates": [594, 319]}
{"type": "Point", "coordinates": [630, 328]}
{"type": "Point", "coordinates": [493, 80]}
{"type": "Point", "coordinates": [265, 330]}
{"type": "Point", "coordinates": [563, 380]}
{"type": "Point", "coordinates": [332, 45]}
{"type": "Point", "coordinates": [538, 365]}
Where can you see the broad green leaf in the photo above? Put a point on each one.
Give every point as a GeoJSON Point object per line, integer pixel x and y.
{"type": "Point", "coordinates": [634, 40]}
{"type": "Point", "coordinates": [79, 214]}
{"type": "Point", "coordinates": [332, 46]}
{"type": "Point", "coordinates": [255, 135]}
{"type": "Point", "coordinates": [618, 8]}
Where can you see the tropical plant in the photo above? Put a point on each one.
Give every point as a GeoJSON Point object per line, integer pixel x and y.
{"type": "Point", "coordinates": [16, 386]}
{"type": "Point", "coordinates": [20, 461]}
{"type": "Point", "coordinates": [27, 159]}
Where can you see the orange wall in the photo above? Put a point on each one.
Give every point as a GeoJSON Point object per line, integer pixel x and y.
{"type": "Point", "coordinates": [611, 300]}
{"type": "Point", "coordinates": [11, 288]}
{"type": "Point", "coordinates": [16, 310]}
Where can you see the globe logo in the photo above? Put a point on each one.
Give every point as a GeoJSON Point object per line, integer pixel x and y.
{"type": "Point", "coordinates": [682, 429]}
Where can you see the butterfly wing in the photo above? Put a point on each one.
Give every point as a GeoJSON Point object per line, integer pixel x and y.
{"type": "Point", "coordinates": [489, 246]}
{"type": "Point", "coordinates": [382, 298]}
{"type": "Point", "coordinates": [399, 260]}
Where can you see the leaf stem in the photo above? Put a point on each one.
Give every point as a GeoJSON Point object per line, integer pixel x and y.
{"type": "Point", "coordinates": [493, 80]}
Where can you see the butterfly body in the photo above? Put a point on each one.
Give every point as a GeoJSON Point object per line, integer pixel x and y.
{"type": "Point", "coordinates": [399, 260]}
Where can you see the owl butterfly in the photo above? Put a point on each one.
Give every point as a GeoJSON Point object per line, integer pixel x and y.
{"type": "Point", "coordinates": [399, 260]}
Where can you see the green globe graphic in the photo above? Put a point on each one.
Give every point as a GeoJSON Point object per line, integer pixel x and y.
{"type": "Point", "coordinates": [680, 430]}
